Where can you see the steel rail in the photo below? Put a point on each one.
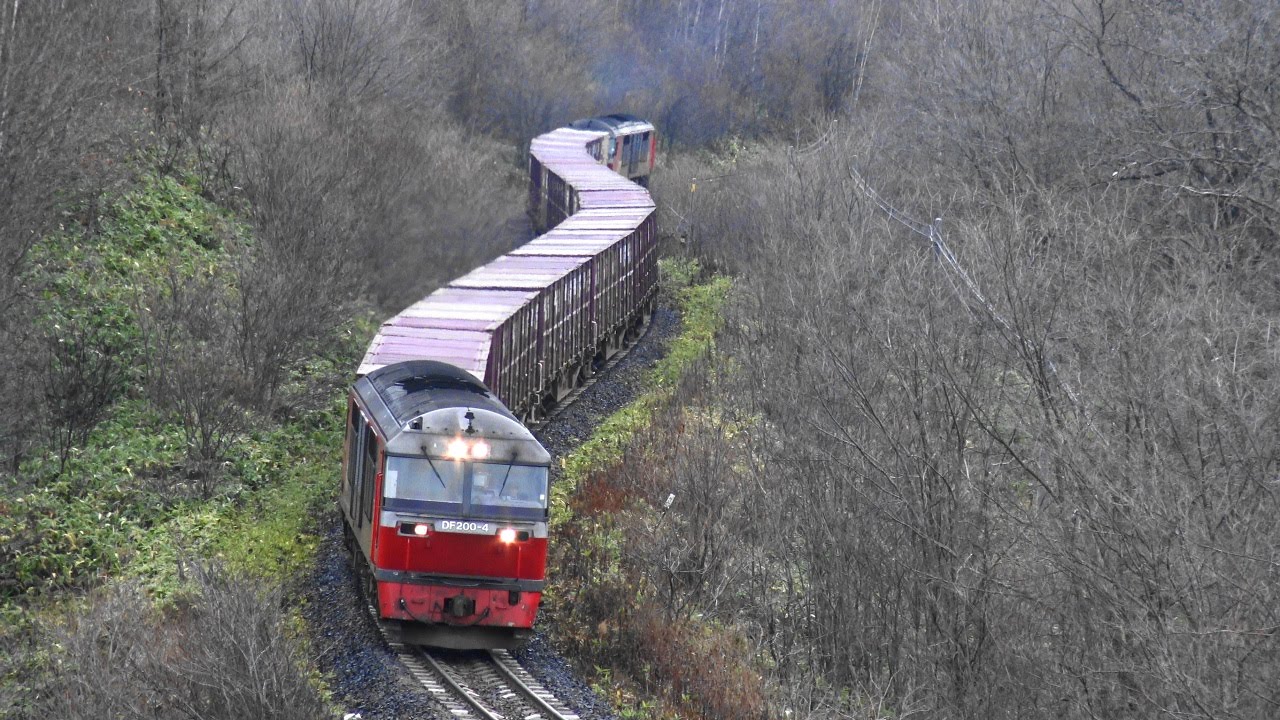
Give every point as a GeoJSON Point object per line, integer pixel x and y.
{"type": "Point", "coordinates": [459, 690]}
{"type": "Point", "coordinates": [536, 694]}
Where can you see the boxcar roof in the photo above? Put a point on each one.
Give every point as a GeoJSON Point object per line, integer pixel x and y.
{"type": "Point", "coordinates": [582, 247]}
{"type": "Point", "coordinates": [634, 198]}
{"type": "Point", "coordinates": [518, 272]}
{"type": "Point", "coordinates": [467, 349]}
{"type": "Point", "coordinates": [453, 325]}
{"type": "Point", "coordinates": [607, 217]}
{"type": "Point", "coordinates": [565, 139]}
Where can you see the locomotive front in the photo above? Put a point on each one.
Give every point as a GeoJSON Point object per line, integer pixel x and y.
{"type": "Point", "coordinates": [445, 498]}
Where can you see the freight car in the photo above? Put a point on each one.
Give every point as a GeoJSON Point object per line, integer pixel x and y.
{"type": "Point", "coordinates": [444, 490]}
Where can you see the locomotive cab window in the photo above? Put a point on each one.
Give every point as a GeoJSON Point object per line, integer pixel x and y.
{"type": "Point", "coordinates": [472, 487]}
{"type": "Point", "coordinates": [508, 486]}
{"type": "Point", "coordinates": [430, 479]}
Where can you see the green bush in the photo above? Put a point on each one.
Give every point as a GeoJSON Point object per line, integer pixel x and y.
{"type": "Point", "coordinates": [119, 500]}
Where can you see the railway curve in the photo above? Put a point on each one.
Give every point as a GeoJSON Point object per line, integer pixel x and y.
{"type": "Point", "coordinates": [366, 675]}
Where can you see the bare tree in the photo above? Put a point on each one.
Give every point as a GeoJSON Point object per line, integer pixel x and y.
{"type": "Point", "coordinates": [225, 655]}
{"type": "Point", "coordinates": [192, 371]}
{"type": "Point", "coordinates": [64, 109]}
{"type": "Point", "coordinates": [86, 373]}
{"type": "Point", "coordinates": [199, 68]}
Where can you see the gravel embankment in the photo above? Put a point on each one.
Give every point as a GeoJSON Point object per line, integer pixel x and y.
{"type": "Point", "coordinates": [364, 675]}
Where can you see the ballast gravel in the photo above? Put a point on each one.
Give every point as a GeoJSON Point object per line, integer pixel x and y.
{"type": "Point", "coordinates": [365, 676]}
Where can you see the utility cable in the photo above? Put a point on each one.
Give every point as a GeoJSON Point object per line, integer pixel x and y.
{"type": "Point", "coordinates": [933, 233]}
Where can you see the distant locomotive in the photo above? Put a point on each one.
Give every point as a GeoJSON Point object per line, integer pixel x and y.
{"type": "Point", "coordinates": [444, 491]}
{"type": "Point", "coordinates": [632, 145]}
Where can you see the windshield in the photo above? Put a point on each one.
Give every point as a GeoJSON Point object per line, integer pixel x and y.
{"type": "Point", "coordinates": [509, 486]}
{"type": "Point", "coordinates": [490, 485]}
{"type": "Point", "coordinates": [423, 479]}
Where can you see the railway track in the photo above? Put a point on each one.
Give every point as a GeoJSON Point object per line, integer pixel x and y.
{"type": "Point", "coordinates": [485, 684]}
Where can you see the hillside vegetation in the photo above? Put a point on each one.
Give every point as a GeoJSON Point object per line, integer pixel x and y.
{"type": "Point", "coordinates": [1020, 461]}
{"type": "Point", "coordinates": [988, 428]}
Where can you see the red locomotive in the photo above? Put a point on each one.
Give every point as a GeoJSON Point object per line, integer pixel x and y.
{"type": "Point", "coordinates": [444, 490]}
{"type": "Point", "coordinates": [631, 148]}
{"type": "Point", "coordinates": [445, 494]}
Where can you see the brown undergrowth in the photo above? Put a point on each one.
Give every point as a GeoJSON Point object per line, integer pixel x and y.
{"type": "Point", "coordinates": [658, 657]}
{"type": "Point", "coordinates": [628, 601]}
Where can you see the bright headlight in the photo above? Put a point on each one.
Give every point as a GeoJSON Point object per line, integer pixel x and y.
{"type": "Point", "coordinates": [507, 535]}
{"type": "Point", "coordinates": [480, 450]}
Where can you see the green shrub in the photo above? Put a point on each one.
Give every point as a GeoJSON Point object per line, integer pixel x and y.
{"type": "Point", "coordinates": [120, 501]}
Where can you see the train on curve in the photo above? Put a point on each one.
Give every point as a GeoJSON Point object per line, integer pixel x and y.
{"type": "Point", "coordinates": [444, 491]}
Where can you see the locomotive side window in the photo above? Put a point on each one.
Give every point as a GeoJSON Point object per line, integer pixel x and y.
{"type": "Point", "coordinates": [353, 489]}
{"type": "Point", "coordinates": [369, 469]}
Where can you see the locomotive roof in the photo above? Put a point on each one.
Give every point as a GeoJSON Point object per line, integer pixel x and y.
{"type": "Point", "coordinates": [611, 123]}
{"type": "Point", "coordinates": [412, 402]}
{"type": "Point", "coordinates": [414, 388]}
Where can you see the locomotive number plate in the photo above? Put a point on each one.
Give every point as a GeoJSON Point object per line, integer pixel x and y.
{"type": "Point", "coordinates": [465, 526]}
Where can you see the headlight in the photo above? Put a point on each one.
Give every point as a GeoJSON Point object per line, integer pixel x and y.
{"type": "Point", "coordinates": [480, 450]}
{"type": "Point", "coordinates": [457, 448]}
{"type": "Point", "coordinates": [412, 528]}
{"type": "Point", "coordinates": [507, 535]}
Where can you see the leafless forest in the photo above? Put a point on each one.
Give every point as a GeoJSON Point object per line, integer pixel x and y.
{"type": "Point", "coordinates": [1021, 462]}
{"type": "Point", "coordinates": [991, 430]}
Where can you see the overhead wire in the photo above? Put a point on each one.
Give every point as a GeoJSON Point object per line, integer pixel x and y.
{"type": "Point", "coordinates": [933, 233]}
